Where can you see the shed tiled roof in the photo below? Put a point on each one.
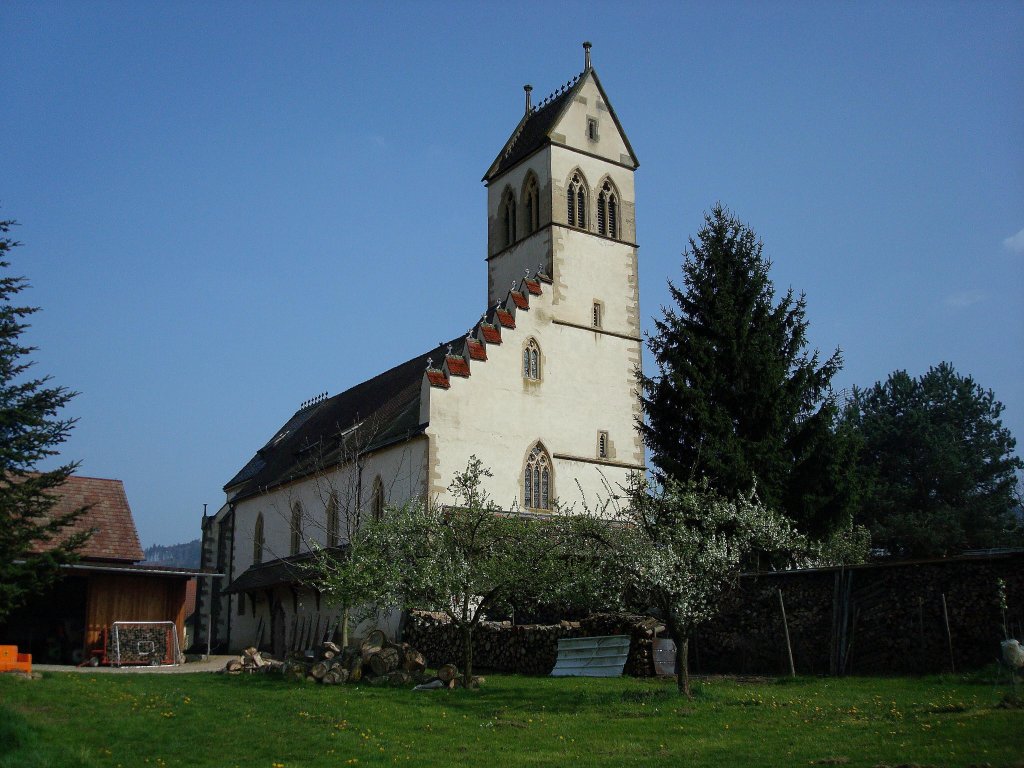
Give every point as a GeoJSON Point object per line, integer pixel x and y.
{"type": "Point", "coordinates": [505, 318]}
{"type": "Point", "coordinates": [109, 518]}
{"type": "Point", "coordinates": [520, 300]}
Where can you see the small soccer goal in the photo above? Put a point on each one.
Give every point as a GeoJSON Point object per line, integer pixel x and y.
{"type": "Point", "coordinates": [138, 643]}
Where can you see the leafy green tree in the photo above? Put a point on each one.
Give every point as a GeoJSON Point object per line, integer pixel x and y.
{"type": "Point", "coordinates": [32, 549]}
{"type": "Point", "coordinates": [935, 465]}
{"type": "Point", "coordinates": [737, 396]}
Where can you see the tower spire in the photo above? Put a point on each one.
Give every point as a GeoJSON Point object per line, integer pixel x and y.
{"type": "Point", "coordinates": [528, 88]}
{"type": "Point", "coordinates": [586, 56]}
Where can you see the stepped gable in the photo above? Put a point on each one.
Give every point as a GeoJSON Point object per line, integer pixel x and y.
{"type": "Point", "coordinates": [320, 435]}
{"type": "Point", "coordinates": [376, 413]}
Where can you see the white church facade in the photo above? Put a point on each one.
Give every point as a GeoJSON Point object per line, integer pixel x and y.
{"type": "Point", "coordinates": [542, 389]}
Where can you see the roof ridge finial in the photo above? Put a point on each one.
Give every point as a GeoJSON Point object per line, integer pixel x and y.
{"type": "Point", "coordinates": [586, 56]}
{"type": "Point", "coordinates": [529, 107]}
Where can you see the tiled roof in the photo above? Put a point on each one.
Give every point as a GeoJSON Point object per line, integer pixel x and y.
{"type": "Point", "coordinates": [457, 365]}
{"type": "Point", "coordinates": [437, 378]}
{"type": "Point", "coordinates": [491, 333]}
{"type": "Point", "coordinates": [109, 518]}
{"type": "Point", "coordinates": [505, 318]}
{"type": "Point", "coordinates": [477, 350]}
{"type": "Point", "coordinates": [520, 300]}
{"type": "Point", "coordinates": [533, 286]}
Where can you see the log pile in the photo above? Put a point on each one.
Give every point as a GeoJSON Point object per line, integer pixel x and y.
{"type": "Point", "coordinates": [531, 649]}
{"type": "Point", "coordinates": [377, 662]}
{"type": "Point", "coordinates": [875, 619]}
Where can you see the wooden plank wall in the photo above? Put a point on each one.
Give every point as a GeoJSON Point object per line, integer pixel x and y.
{"type": "Point", "coordinates": [129, 597]}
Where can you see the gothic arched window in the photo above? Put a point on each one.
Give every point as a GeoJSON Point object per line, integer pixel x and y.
{"type": "Point", "coordinates": [508, 212]}
{"type": "Point", "coordinates": [537, 479]}
{"type": "Point", "coordinates": [531, 205]}
{"type": "Point", "coordinates": [377, 499]}
{"type": "Point", "coordinates": [332, 520]}
{"type": "Point", "coordinates": [607, 212]}
{"type": "Point", "coordinates": [296, 528]}
{"type": "Point", "coordinates": [258, 541]}
{"type": "Point", "coordinates": [531, 360]}
{"type": "Point", "coordinates": [576, 202]}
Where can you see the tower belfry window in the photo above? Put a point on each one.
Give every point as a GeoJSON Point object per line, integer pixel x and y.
{"type": "Point", "coordinates": [607, 212]}
{"type": "Point", "coordinates": [531, 205]}
{"type": "Point", "coordinates": [576, 203]}
{"type": "Point", "coordinates": [509, 218]}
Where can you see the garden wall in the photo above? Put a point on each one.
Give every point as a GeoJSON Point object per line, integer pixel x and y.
{"type": "Point", "coordinates": [870, 619]}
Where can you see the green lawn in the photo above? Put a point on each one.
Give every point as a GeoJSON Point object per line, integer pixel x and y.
{"type": "Point", "coordinates": [140, 721]}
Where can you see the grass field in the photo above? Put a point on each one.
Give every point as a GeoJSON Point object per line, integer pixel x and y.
{"type": "Point", "coordinates": [158, 721]}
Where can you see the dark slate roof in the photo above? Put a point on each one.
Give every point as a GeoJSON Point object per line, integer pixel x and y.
{"type": "Point", "coordinates": [533, 130]}
{"type": "Point", "coordinates": [295, 570]}
{"type": "Point", "coordinates": [383, 410]}
{"type": "Point", "coordinates": [109, 517]}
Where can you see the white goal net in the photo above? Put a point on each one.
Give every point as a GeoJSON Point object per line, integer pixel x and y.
{"type": "Point", "coordinates": [134, 643]}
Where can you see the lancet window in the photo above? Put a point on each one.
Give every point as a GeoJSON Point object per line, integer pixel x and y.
{"type": "Point", "coordinates": [537, 479]}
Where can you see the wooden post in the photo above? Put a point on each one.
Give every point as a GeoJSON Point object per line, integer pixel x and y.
{"type": "Point", "coordinates": [949, 635]}
{"type": "Point", "coordinates": [785, 627]}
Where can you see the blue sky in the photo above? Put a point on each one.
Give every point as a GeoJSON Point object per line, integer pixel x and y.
{"type": "Point", "coordinates": [229, 208]}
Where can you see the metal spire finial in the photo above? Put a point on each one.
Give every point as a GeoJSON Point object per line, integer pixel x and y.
{"type": "Point", "coordinates": [586, 56]}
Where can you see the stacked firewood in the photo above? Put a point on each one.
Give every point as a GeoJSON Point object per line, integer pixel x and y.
{"type": "Point", "coordinates": [376, 662]}
{"type": "Point", "coordinates": [529, 649]}
{"type": "Point", "coordinates": [252, 661]}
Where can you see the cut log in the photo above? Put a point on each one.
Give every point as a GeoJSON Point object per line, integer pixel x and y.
{"type": "Point", "coordinates": [318, 670]}
{"type": "Point", "coordinates": [384, 661]}
{"type": "Point", "coordinates": [372, 644]}
{"type": "Point", "coordinates": [233, 666]}
{"type": "Point", "coordinates": [413, 660]}
{"type": "Point", "coordinates": [332, 647]}
{"type": "Point", "coordinates": [447, 672]}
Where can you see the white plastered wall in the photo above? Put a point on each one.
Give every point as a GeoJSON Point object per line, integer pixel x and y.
{"type": "Point", "coordinates": [402, 469]}
{"type": "Point", "coordinates": [586, 385]}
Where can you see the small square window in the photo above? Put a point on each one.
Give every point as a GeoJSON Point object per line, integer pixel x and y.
{"type": "Point", "coordinates": [596, 318]}
{"type": "Point", "coordinates": [602, 445]}
{"type": "Point", "coordinates": [592, 129]}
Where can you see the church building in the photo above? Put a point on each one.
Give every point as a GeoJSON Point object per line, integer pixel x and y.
{"type": "Point", "coordinates": [542, 388]}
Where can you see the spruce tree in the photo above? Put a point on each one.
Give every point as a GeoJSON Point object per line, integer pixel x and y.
{"type": "Point", "coordinates": [737, 396]}
{"type": "Point", "coordinates": [32, 548]}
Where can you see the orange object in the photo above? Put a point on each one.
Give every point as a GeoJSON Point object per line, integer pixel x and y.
{"type": "Point", "coordinates": [12, 661]}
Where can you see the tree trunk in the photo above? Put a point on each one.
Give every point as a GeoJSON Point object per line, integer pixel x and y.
{"type": "Point", "coordinates": [344, 628]}
{"type": "Point", "coordinates": [683, 667]}
{"type": "Point", "coordinates": [682, 642]}
{"type": "Point", "coordinates": [467, 655]}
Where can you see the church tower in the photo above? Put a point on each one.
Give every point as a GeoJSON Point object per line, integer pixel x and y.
{"type": "Point", "coordinates": [560, 199]}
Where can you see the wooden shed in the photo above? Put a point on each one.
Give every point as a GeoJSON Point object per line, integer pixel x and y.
{"type": "Point", "coordinates": [109, 582]}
